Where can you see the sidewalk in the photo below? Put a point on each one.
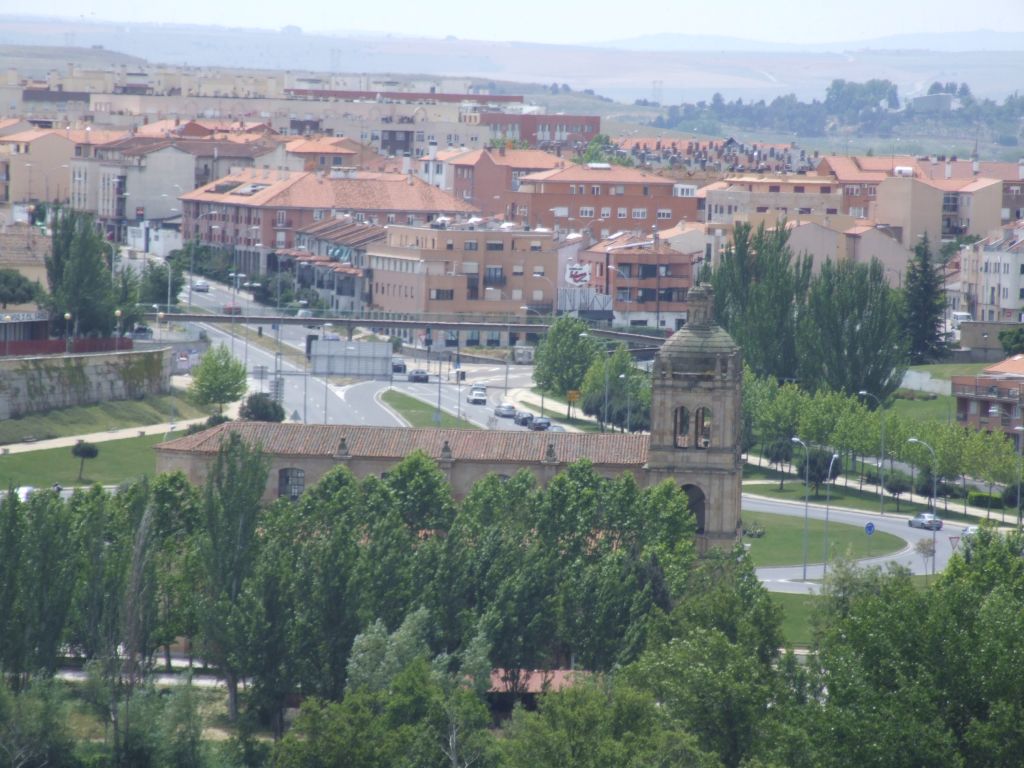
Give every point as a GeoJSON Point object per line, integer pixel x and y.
{"type": "Point", "coordinates": [553, 409]}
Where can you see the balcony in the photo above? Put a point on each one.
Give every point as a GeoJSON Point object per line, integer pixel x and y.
{"type": "Point", "coordinates": [494, 280]}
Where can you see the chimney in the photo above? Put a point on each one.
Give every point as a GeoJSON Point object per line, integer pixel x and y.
{"type": "Point", "coordinates": [406, 163]}
{"type": "Point", "coordinates": [949, 170]}
{"type": "Point", "coordinates": [975, 167]}
{"type": "Point", "coordinates": [501, 150]}
{"type": "Point", "coordinates": [432, 150]}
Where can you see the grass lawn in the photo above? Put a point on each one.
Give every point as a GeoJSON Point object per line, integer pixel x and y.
{"type": "Point", "coordinates": [118, 460]}
{"type": "Point", "coordinates": [942, 408]}
{"type": "Point", "coordinates": [782, 543]}
{"type": "Point", "coordinates": [946, 371]}
{"type": "Point", "coordinates": [82, 420]}
{"type": "Point", "coordinates": [421, 414]}
{"type": "Point", "coordinates": [796, 617]}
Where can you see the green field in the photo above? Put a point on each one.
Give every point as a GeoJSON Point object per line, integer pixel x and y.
{"type": "Point", "coordinates": [942, 408]}
{"type": "Point", "coordinates": [104, 417]}
{"type": "Point", "coordinates": [118, 460]}
{"type": "Point", "coordinates": [796, 617]}
{"type": "Point", "coordinates": [783, 541]}
{"type": "Point", "coordinates": [946, 371]}
{"type": "Point", "coordinates": [421, 414]}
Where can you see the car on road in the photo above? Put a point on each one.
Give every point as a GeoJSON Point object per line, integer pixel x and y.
{"type": "Point", "coordinates": [306, 313]}
{"type": "Point", "coordinates": [925, 520]}
{"type": "Point", "coordinates": [523, 418]}
{"type": "Point", "coordinates": [397, 365]}
{"type": "Point", "coordinates": [232, 309]}
{"type": "Point", "coordinates": [505, 410]}
{"type": "Point", "coordinates": [201, 286]}
{"type": "Point", "coordinates": [477, 395]}
{"type": "Point", "coordinates": [418, 374]}
{"type": "Point", "coordinates": [540, 424]}
{"type": "Point", "coordinates": [141, 332]}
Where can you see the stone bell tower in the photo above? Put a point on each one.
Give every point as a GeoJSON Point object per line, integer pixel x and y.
{"type": "Point", "coordinates": [696, 420]}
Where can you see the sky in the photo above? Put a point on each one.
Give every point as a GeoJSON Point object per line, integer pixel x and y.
{"type": "Point", "coordinates": [567, 21]}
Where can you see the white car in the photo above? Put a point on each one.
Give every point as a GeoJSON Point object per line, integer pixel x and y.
{"type": "Point", "coordinates": [477, 395]}
{"type": "Point", "coordinates": [201, 286]}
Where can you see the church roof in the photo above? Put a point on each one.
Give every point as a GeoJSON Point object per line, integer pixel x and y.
{"type": "Point", "coordinates": [693, 346]}
{"type": "Point", "coordinates": [504, 446]}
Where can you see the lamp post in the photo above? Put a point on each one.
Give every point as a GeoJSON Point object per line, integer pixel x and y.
{"type": "Point", "coordinates": [117, 333]}
{"type": "Point", "coordinates": [807, 490]}
{"type": "Point", "coordinates": [828, 501]}
{"type": "Point", "coordinates": [934, 479]}
{"type": "Point", "coordinates": [7, 337]}
{"type": "Point", "coordinates": [192, 255]}
{"type": "Point", "coordinates": [113, 257]}
{"type": "Point", "coordinates": [67, 333]}
{"type": "Point", "coordinates": [607, 365]}
{"type": "Point", "coordinates": [881, 456]}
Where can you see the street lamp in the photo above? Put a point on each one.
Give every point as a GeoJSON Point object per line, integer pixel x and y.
{"type": "Point", "coordinates": [881, 457]}
{"type": "Point", "coordinates": [117, 333]}
{"type": "Point", "coordinates": [625, 381]}
{"type": "Point", "coordinates": [828, 501]}
{"type": "Point", "coordinates": [67, 333]}
{"type": "Point", "coordinates": [935, 476]}
{"type": "Point", "coordinates": [607, 365]}
{"type": "Point", "coordinates": [7, 336]}
{"type": "Point", "coordinates": [807, 490]}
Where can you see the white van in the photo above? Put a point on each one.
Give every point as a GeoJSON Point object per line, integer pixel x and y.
{"type": "Point", "coordinates": [960, 317]}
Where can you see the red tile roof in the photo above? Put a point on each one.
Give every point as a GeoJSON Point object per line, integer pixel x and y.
{"type": "Point", "coordinates": [492, 446]}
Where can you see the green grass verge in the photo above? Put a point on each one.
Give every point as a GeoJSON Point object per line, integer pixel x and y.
{"type": "Point", "coordinates": [783, 541]}
{"type": "Point", "coordinates": [118, 460]}
{"type": "Point", "coordinates": [421, 414]}
{"type": "Point", "coordinates": [947, 371]}
{"type": "Point", "coordinates": [942, 408]}
{"type": "Point", "coordinates": [81, 420]}
{"type": "Point", "coordinates": [796, 617]}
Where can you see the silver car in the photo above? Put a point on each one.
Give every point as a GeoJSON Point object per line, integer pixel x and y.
{"type": "Point", "coordinates": [505, 410]}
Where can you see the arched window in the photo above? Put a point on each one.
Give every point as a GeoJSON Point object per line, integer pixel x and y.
{"type": "Point", "coordinates": [682, 427]}
{"type": "Point", "coordinates": [291, 482]}
{"type": "Point", "coordinates": [703, 423]}
{"type": "Point", "coordinates": [696, 501]}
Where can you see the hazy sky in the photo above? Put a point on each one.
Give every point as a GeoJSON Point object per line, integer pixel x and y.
{"type": "Point", "coordinates": [567, 21]}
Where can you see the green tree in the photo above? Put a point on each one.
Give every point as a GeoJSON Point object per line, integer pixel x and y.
{"type": "Point", "coordinates": [218, 378]}
{"type": "Point", "coordinates": [15, 288]}
{"type": "Point", "coordinates": [228, 546]}
{"type": "Point", "coordinates": [78, 274]}
{"type": "Point", "coordinates": [818, 471]}
{"type": "Point", "coordinates": [759, 297]}
{"type": "Point", "coordinates": [83, 450]}
{"type": "Point", "coordinates": [924, 304]}
{"type": "Point", "coordinates": [606, 370]}
{"type": "Point", "coordinates": [154, 285]}
{"type": "Point", "coordinates": [564, 356]}
{"type": "Point", "coordinates": [1012, 340]}
{"type": "Point", "coordinates": [259, 406]}
{"type": "Point", "coordinates": [851, 334]}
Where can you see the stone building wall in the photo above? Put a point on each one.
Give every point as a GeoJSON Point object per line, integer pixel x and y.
{"type": "Point", "coordinates": [34, 384]}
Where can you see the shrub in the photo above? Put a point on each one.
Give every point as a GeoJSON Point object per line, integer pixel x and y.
{"type": "Point", "coordinates": [985, 500]}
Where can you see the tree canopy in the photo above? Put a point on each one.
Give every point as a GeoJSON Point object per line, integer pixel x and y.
{"type": "Point", "coordinates": [219, 378]}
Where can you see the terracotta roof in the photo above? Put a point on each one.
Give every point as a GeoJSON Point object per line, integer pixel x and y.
{"type": "Point", "coordinates": [961, 185]}
{"type": "Point", "coordinates": [586, 174]}
{"type": "Point", "coordinates": [513, 158]}
{"type": "Point", "coordinates": [29, 135]}
{"type": "Point", "coordinates": [536, 680]}
{"type": "Point", "coordinates": [324, 146]}
{"type": "Point", "coordinates": [504, 446]}
{"type": "Point", "coordinates": [94, 135]}
{"type": "Point", "coordinates": [964, 169]}
{"type": "Point", "coordinates": [1012, 366]}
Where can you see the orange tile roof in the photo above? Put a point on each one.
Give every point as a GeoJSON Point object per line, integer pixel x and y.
{"type": "Point", "coordinates": [961, 185]}
{"type": "Point", "coordinates": [1011, 366]}
{"type": "Point", "coordinates": [28, 136]}
{"type": "Point", "coordinates": [318, 147]}
{"type": "Point", "coordinates": [536, 680]}
{"type": "Point", "coordinates": [514, 158]}
{"type": "Point", "coordinates": [505, 446]}
{"type": "Point", "coordinates": [614, 174]}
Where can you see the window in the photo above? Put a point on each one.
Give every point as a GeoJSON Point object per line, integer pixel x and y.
{"type": "Point", "coordinates": [595, 189]}
{"type": "Point", "coordinates": [831, 211]}
{"type": "Point", "coordinates": [804, 211]}
{"type": "Point", "coordinates": [798, 188]}
{"type": "Point", "coordinates": [639, 213]}
{"type": "Point", "coordinates": [762, 209]}
{"type": "Point", "coordinates": [871, 191]}
{"type": "Point", "coordinates": [572, 189]}
{"type": "Point", "coordinates": [517, 269]}
{"type": "Point", "coordinates": [442, 294]}
{"type": "Point", "coordinates": [560, 212]}
{"type": "Point", "coordinates": [495, 245]}
{"type": "Point", "coordinates": [703, 424]}
{"type": "Point", "coordinates": [852, 190]}
{"type": "Point", "coordinates": [681, 428]}
{"type": "Point", "coordinates": [826, 190]}
{"type": "Point", "coordinates": [586, 212]}
{"type": "Point", "coordinates": [606, 213]}
{"type": "Point", "coordinates": [450, 245]}
{"type": "Point", "coordinates": [664, 213]}
{"type": "Point", "coordinates": [291, 482]}
{"type": "Point", "coordinates": [623, 213]}
{"type": "Point", "coordinates": [773, 188]}
{"type": "Point", "coordinates": [470, 245]}
{"type": "Point", "coordinates": [535, 245]}
{"type": "Point", "coordinates": [281, 218]}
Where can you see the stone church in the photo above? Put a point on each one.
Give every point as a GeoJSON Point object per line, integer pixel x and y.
{"type": "Point", "coordinates": [694, 439]}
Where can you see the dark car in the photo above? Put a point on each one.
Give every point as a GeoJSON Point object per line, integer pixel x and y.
{"type": "Point", "coordinates": [418, 374]}
{"type": "Point", "coordinates": [142, 332]}
{"type": "Point", "coordinates": [232, 309]}
{"type": "Point", "coordinates": [523, 418]}
{"type": "Point", "coordinates": [540, 424]}
{"type": "Point", "coordinates": [398, 366]}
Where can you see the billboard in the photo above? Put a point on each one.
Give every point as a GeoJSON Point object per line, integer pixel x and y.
{"type": "Point", "coordinates": [577, 273]}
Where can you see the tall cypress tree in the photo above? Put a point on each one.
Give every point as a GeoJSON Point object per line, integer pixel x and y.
{"type": "Point", "coordinates": [924, 302]}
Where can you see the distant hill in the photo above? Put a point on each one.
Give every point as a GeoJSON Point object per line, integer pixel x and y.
{"type": "Point", "coordinates": [685, 73]}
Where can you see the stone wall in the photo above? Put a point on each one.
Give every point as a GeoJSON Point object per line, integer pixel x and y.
{"type": "Point", "coordinates": [34, 384]}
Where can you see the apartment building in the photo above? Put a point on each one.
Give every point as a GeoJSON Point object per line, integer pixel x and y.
{"type": "Point", "coordinates": [842, 238]}
{"type": "Point", "coordinates": [540, 131]}
{"type": "Point", "coordinates": [858, 177]}
{"type": "Point", "coordinates": [330, 257]}
{"type": "Point", "coordinates": [992, 400]}
{"type": "Point", "coordinates": [258, 212]}
{"type": "Point", "coordinates": [495, 270]}
{"type": "Point", "coordinates": [34, 166]}
{"type": "Point", "coordinates": [1011, 176]}
{"type": "Point", "coordinates": [646, 279]}
{"type": "Point", "coordinates": [790, 197]}
{"type": "Point", "coordinates": [991, 279]}
{"type": "Point", "coordinates": [484, 177]}
{"type": "Point", "coordinates": [601, 198]}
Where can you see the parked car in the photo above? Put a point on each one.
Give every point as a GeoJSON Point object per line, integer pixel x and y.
{"type": "Point", "coordinates": [397, 365]}
{"type": "Point", "coordinates": [523, 418]}
{"type": "Point", "coordinates": [418, 374]}
{"type": "Point", "coordinates": [477, 395]}
{"type": "Point", "coordinates": [232, 309]}
{"type": "Point", "coordinates": [201, 286]}
{"type": "Point", "coordinates": [556, 428]}
{"type": "Point", "coordinates": [541, 423]}
{"type": "Point", "coordinates": [925, 520]}
{"type": "Point", "coordinates": [141, 332]}
{"type": "Point", "coordinates": [505, 410]}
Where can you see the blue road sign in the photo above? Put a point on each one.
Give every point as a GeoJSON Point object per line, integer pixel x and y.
{"type": "Point", "coordinates": [869, 528]}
